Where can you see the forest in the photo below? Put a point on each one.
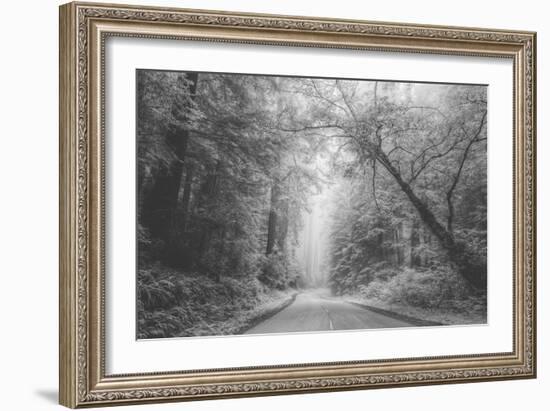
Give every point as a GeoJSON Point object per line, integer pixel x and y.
{"type": "Point", "coordinates": [252, 189]}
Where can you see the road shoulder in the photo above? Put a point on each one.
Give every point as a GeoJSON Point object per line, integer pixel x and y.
{"type": "Point", "coordinates": [265, 315]}
{"type": "Point", "coordinates": [397, 316]}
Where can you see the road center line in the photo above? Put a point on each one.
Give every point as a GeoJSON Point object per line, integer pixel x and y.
{"type": "Point", "coordinates": [331, 327]}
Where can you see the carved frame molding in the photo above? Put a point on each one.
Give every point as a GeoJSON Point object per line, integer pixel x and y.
{"type": "Point", "coordinates": [83, 30]}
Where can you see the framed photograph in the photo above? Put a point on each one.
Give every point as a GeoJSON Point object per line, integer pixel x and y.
{"type": "Point", "coordinates": [258, 204]}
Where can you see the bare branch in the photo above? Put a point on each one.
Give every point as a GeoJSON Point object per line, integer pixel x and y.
{"type": "Point", "coordinates": [456, 178]}
{"type": "Point", "coordinates": [347, 103]}
{"type": "Point", "coordinates": [326, 99]}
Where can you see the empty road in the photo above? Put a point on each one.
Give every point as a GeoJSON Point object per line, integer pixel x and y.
{"type": "Point", "coordinates": [311, 312]}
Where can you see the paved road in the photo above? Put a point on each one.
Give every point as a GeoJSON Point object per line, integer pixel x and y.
{"type": "Point", "coordinates": [312, 312]}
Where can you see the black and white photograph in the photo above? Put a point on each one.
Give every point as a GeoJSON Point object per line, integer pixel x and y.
{"type": "Point", "coordinates": [278, 204]}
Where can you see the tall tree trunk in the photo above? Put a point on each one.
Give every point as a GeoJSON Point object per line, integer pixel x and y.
{"type": "Point", "coordinates": [162, 200]}
{"type": "Point", "coordinates": [187, 187]}
{"type": "Point", "coordinates": [179, 140]}
{"type": "Point", "coordinates": [475, 272]}
{"type": "Point", "coordinates": [207, 197]}
{"type": "Point", "coordinates": [282, 231]}
{"type": "Point", "coordinates": [408, 235]}
{"type": "Point", "coordinates": [273, 217]}
{"type": "Point", "coordinates": [203, 243]}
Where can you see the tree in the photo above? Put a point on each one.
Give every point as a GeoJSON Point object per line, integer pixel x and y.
{"type": "Point", "coordinates": [166, 108]}
{"type": "Point", "coordinates": [409, 142]}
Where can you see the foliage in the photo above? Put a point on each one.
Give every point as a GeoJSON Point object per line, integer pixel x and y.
{"type": "Point", "coordinates": [279, 272]}
{"type": "Point", "coordinates": [171, 304]}
{"type": "Point", "coordinates": [228, 165]}
{"type": "Point", "coordinates": [420, 288]}
{"type": "Point", "coordinates": [422, 220]}
{"type": "Point", "coordinates": [437, 294]}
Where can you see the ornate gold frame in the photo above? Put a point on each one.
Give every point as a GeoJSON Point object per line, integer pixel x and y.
{"type": "Point", "coordinates": [83, 30]}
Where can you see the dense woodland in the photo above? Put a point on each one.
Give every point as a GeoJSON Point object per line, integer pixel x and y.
{"type": "Point", "coordinates": [228, 166]}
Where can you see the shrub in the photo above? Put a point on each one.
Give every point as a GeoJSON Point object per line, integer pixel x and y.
{"type": "Point", "coordinates": [430, 288]}
{"type": "Point", "coordinates": [173, 303]}
{"type": "Point", "coordinates": [278, 271]}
